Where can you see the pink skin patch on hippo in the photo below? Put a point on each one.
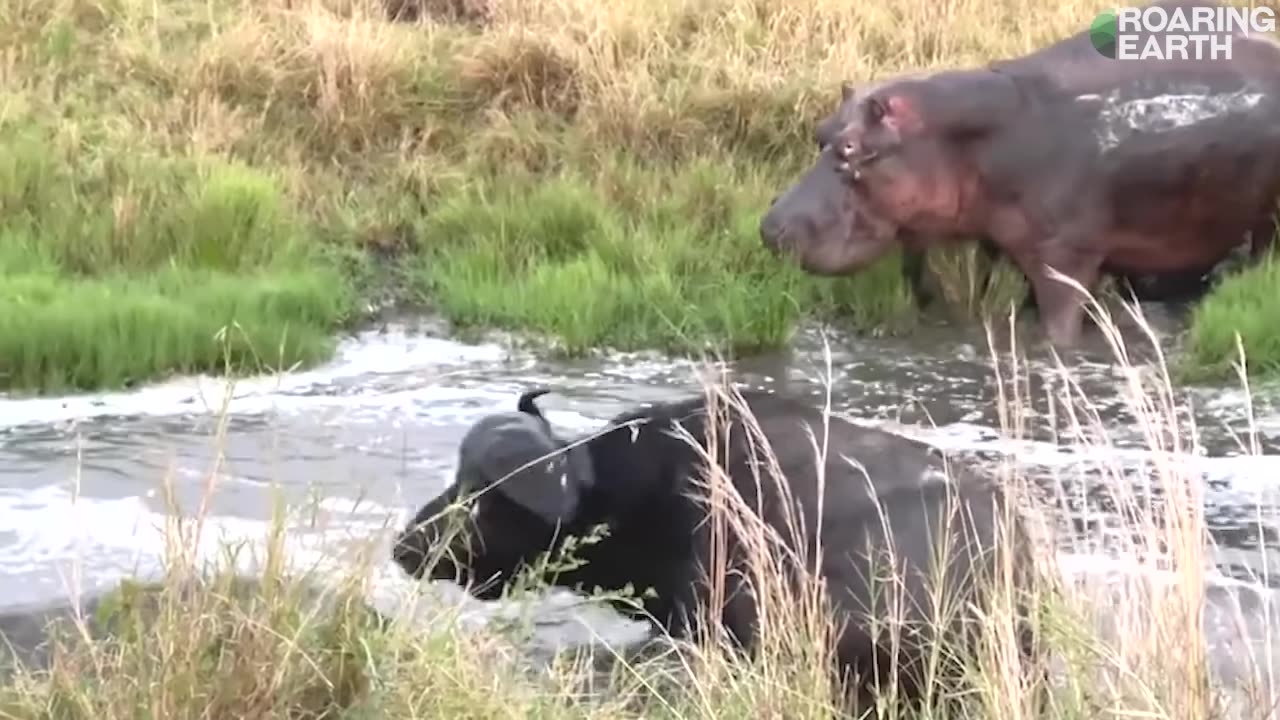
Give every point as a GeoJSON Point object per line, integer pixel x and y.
{"type": "Point", "coordinates": [901, 115]}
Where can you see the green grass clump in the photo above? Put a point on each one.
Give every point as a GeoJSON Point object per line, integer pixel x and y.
{"type": "Point", "coordinates": [971, 285]}
{"type": "Point", "coordinates": [58, 334]}
{"type": "Point", "coordinates": [120, 267]}
{"type": "Point", "coordinates": [1238, 315]}
{"type": "Point", "coordinates": [85, 211]}
{"type": "Point", "coordinates": [674, 261]}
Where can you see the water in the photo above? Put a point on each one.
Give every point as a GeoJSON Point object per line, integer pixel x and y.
{"type": "Point", "coordinates": [360, 443]}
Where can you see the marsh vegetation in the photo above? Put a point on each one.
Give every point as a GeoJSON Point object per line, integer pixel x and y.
{"type": "Point", "coordinates": [591, 173]}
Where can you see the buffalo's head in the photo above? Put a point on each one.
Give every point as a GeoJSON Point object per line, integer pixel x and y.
{"type": "Point", "coordinates": [889, 167]}
{"type": "Point", "coordinates": [517, 484]}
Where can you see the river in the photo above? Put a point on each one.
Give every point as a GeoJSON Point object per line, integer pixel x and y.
{"type": "Point", "coordinates": [357, 444]}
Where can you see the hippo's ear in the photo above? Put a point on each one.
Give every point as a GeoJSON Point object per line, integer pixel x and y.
{"type": "Point", "coordinates": [847, 91]}
{"type": "Point", "coordinates": [529, 466]}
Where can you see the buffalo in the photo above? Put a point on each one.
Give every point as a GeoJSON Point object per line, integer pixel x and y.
{"type": "Point", "coordinates": [645, 479]}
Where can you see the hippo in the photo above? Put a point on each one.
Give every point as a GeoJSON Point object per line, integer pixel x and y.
{"type": "Point", "coordinates": [1063, 158]}
{"type": "Point", "coordinates": [527, 489]}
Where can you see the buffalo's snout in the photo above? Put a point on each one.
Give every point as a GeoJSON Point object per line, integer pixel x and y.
{"type": "Point", "coordinates": [410, 554]}
{"type": "Point", "coordinates": [414, 554]}
{"type": "Point", "coordinates": [424, 547]}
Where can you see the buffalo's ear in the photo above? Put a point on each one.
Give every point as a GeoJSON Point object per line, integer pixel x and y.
{"type": "Point", "coordinates": [517, 452]}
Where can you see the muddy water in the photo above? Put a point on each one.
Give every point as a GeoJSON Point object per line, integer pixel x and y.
{"type": "Point", "coordinates": [356, 444]}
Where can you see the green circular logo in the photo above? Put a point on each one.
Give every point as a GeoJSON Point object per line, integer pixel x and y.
{"type": "Point", "coordinates": [1102, 33]}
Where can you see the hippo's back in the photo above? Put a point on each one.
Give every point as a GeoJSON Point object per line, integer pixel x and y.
{"type": "Point", "coordinates": [1073, 66]}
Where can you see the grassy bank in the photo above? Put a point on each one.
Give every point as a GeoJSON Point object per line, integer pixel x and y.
{"type": "Point", "coordinates": [1234, 318]}
{"type": "Point", "coordinates": [121, 263]}
{"type": "Point", "coordinates": [591, 172]}
{"type": "Point", "coordinates": [1133, 649]}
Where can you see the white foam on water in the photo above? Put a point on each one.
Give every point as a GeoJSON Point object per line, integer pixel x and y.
{"type": "Point", "coordinates": [1257, 474]}
{"type": "Point", "coordinates": [405, 375]}
{"type": "Point", "coordinates": [68, 548]}
{"type": "Point", "coordinates": [52, 538]}
{"type": "Point", "coordinates": [1094, 567]}
{"type": "Point", "coordinates": [96, 543]}
{"type": "Point", "coordinates": [369, 353]}
{"type": "Point", "coordinates": [420, 365]}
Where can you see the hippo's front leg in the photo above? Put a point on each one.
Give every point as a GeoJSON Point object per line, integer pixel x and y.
{"type": "Point", "coordinates": [1061, 304]}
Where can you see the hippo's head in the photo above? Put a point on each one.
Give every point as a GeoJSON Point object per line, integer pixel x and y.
{"type": "Point", "coordinates": [515, 485]}
{"type": "Point", "coordinates": [880, 176]}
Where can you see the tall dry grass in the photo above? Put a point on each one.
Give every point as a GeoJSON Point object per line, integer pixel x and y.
{"type": "Point", "coordinates": [1135, 648]}
{"type": "Point", "coordinates": [651, 75]}
{"type": "Point", "coordinates": [790, 671]}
